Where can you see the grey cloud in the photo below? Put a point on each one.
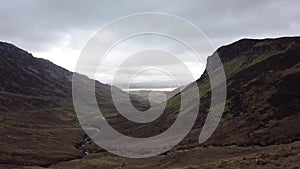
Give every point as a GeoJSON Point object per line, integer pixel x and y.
{"type": "Point", "coordinates": [36, 24]}
{"type": "Point", "coordinates": [40, 26]}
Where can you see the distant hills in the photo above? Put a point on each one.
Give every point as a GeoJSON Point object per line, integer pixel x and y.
{"type": "Point", "coordinates": [38, 125]}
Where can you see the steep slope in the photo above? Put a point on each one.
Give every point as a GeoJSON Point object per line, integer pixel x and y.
{"type": "Point", "coordinates": [262, 106]}
{"type": "Point", "coordinates": [38, 125]}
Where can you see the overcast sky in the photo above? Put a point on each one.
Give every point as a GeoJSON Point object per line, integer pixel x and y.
{"type": "Point", "coordinates": [58, 29]}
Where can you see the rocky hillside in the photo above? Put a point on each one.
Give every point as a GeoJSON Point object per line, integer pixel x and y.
{"type": "Point", "coordinates": [263, 78]}
{"type": "Point", "coordinates": [262, 106]}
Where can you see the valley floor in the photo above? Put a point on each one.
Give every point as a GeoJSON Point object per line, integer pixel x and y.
{"type": "Point", "coordinates": [276, 156]}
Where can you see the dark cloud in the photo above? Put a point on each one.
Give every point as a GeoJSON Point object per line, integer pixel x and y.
{"type": "Point", "coordinates": [37, 24]}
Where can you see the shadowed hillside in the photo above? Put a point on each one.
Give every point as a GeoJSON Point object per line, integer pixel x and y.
{"type": "Point", "coordinates": [259, 127]}
{"type": "Point", "coordinates": [38, 125]}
